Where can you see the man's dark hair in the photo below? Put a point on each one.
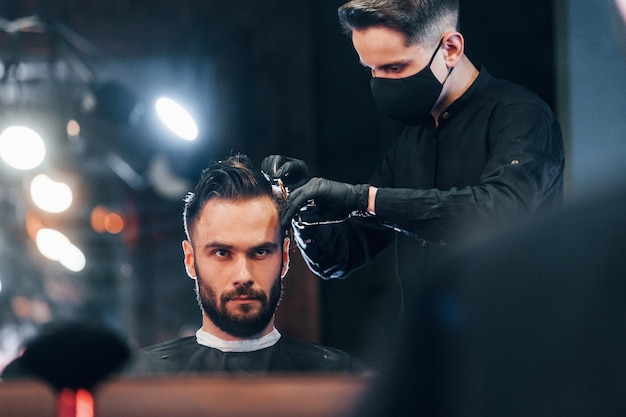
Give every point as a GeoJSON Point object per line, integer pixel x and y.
{"type": "Point", "coordinates": [420, 21]}
{"type": "Point", "coordinates": [233, 179]}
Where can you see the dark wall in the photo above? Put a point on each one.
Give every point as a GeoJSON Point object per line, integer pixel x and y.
{"type": "Point", "coordinates": [515, 40]}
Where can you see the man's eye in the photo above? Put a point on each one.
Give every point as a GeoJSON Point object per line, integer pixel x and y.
{"type": "Point", "coordinates": [221, 253]}
{"type": "Point", "coordinates": [262, 253]}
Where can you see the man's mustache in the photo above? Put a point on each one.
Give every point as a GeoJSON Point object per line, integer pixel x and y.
{"type": "Point", "coordinates": [244, 292]}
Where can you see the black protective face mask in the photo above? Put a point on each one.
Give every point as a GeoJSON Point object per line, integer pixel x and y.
{"type": "Point", "coordinates": [411, 99]}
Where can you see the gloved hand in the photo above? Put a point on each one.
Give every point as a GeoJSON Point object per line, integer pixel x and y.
{"type": "Point", "coordinates": [293, 172]}
{"type": "Point", "coordinates": [338, 199]}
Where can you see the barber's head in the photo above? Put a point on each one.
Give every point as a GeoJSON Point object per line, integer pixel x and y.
{"type": "Point", "coordinates": [421, 22]}
{"type": "Point", "coordinates": [410, 47]}
{"type": "Point", "coordinates": [235, 248]}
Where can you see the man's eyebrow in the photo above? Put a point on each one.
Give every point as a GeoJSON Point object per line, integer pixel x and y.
{"type": "Point", "coordinates": [385, 67]}
{"type": "Point", "coordinates": [266, 245]}
{"type": "Point", "coordinates": [263, 245]}
{"type": "Point", "coordinates": [218, 244]}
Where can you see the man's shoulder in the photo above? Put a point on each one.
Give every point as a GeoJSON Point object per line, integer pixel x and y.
{"type": "Point", "coordinates": [506, 92]}
{"type": "Point", "coordinates": [309, 355]}
{"type": "Point", "coordinates": [169, 346]}
{"type": "Point", "coordinates": [165, 357]}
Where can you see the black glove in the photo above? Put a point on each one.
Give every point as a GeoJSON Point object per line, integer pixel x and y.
{"type": "Point", "coordinates": [338, 199]}
{"type": "Point", "coordinates": [293, 172]}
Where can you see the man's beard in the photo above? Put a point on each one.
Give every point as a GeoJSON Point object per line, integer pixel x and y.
{"type": "Point", "coordinates": [244, 323]}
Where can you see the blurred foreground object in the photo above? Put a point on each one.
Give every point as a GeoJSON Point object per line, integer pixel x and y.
{"type": "Point", "coordinates": [73, 358]}
{"type": "Point", "coordinates": [224, 396]}
{"type": "Point", "coordinates": [529, 323]}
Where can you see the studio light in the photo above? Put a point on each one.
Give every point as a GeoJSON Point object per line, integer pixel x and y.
{"type": "Point", "coordinates": [176, 118]}
{"type": "Point", "coordinates": [22, 148]}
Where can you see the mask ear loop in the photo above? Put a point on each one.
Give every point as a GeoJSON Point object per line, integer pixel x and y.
{"type": "Point", "coordinates": [432, 59]}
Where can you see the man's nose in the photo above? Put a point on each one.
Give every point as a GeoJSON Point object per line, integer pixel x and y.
{"type": "Point", "coordinates": [243, 272]}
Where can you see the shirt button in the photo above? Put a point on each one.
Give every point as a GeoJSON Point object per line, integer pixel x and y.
{"type": "Point", "coordinates": [515, 162]}
{"type": "Point", "coordinates": [446, 115]}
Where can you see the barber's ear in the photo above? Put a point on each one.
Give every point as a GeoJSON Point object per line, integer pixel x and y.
{"type": "Point", "coordinates": [190, 266]}
{"type": "Point", "coordinates": [454, 47]}
{"type": "Point", "coordinates": [286, 242]}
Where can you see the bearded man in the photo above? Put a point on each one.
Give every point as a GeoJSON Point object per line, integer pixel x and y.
{"type": "Point", "coordinates": [238, 255]}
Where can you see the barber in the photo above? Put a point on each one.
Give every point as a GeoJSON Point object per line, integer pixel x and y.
{"type": "Point", "coordinates": [476, 150]}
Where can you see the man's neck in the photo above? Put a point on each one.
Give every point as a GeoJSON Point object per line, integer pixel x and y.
{"type": "Point", "coordinates": [460, 80]}
{"type": "Point", "coordinates": [241, 345]}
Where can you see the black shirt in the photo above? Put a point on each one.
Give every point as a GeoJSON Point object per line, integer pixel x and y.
{"type": "Point", "coordinates": [497, 153]}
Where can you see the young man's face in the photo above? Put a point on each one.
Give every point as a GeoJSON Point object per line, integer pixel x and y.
{"type": "Point", "coordinates": [238, 257]}
{"type": "Point", "coordinates": [385, 52]}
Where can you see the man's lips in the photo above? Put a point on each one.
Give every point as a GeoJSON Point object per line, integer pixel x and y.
{"type": "Point", "coordinates": [243, 299]}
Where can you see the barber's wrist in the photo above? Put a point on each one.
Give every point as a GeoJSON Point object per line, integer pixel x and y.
{"type": "Point", "coordinates": [371, 201]}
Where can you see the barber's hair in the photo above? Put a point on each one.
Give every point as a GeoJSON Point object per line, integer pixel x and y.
{"type": "Point", "coordinates": [422, 22]}
{"type": "Point", "coordinates": [232, 179]}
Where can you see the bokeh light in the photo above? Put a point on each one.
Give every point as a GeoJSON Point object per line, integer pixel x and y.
{"type": "Point", "coordinates": [22, 148]}
{"type": "Point", "coordinates": [56, 246]}
{"type": "Point", "coordinates": [49, 195]}
{"type": "Point", "coordinates": [176, 118]}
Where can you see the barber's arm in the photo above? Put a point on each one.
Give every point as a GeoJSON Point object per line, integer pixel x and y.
{"type": "Point", "coordinates": [336, 200]}
{"type": "Point", "coordinates": [522, 174]}
{"type": "Point", "coordinates": [332, 242]}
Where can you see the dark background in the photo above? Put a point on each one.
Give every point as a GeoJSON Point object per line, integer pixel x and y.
{"type": "Point", "coordinates": [263, 77]}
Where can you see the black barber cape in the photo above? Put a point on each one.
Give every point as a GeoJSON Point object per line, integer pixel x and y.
{"type": "Point", "coordinates": [187, 356]}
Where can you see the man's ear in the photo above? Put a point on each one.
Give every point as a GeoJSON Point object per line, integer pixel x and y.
{"type": "Point", "coordinates": [286, 242]}
{"type": "Point", "coordinates": [190, 265]}
{"type": "Point", "coordinates": [453, 45]}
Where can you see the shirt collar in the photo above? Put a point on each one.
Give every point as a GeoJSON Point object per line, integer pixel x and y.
{"type": "Point", "coordinates": [468, 96]}
{"type": "Point", "coordinates": [248, 345]}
